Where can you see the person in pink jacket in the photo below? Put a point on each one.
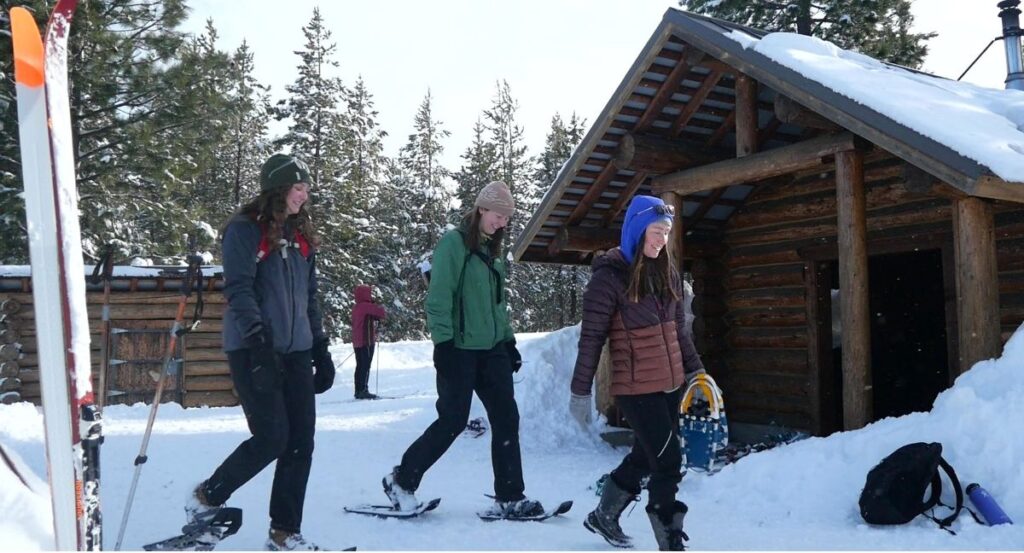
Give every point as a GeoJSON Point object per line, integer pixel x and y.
{"type": "Point", "coordinates": [364, 337]}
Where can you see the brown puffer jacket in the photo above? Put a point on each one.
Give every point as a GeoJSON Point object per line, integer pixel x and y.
{"type": "Point", "coordinates": [651, 349]}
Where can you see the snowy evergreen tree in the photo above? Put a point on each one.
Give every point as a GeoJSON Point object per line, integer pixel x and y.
{"type": "Point", "coordinates": [512, 165]}
{"type": "Point", "coordinates": [878, 28]}
{"type": "Point", "coordinates": [248, 145]}
{"type": "Point", "coordinates": [479, 163]}
{"type": "Point", "coordinates": [128, 103]}
{"type": "Point", "coordinates": [318, 133]}
{"type": "Point", "coordinates": [552, 295]}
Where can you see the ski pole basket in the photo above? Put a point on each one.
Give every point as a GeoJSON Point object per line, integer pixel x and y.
{"type": "Point", "coordinates": [703, 427]}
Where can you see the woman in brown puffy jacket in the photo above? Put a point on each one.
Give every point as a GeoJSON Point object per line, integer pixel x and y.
{"type": "Point", "coordinates": [635, 298]}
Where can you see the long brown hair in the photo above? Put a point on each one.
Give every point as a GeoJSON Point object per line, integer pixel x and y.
{"type": "Point", "coordinates": [269, 209]}
{"type": "Point", "coordinates": [471, 221]}
{"type": "Point", "coordinates": [658, 276]}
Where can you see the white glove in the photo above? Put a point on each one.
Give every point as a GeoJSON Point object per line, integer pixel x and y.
{"type": "Point", "coordinates": [581, 409]}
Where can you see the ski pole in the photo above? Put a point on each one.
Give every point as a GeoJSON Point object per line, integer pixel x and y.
{"type": "Point", "coordinates": [104, 270]}
{"type": "Point", "coordinates": [170, 368]}
{"type": "Point", "coordinates": [376, 372]}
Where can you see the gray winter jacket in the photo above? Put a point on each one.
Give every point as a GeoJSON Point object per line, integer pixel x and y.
{"type": "Point", "coordinates": [277, 292]}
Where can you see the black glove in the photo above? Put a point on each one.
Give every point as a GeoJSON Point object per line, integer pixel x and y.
{"type": "Point", "coordinates": [264, 364]}
{"type": "Point", "coordinates": [513, 355]}
{"type": "Point", "coordinates": [324, 377]}
{"type": "Point", "coordinates": [444, 354]}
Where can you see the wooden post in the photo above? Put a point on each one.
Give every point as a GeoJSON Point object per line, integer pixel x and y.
{"type": "Point", "coordinates": [746, 115]}
{"type": "Point", "coordinates": [853, 289]}
{"type": "Point", "coordinates": [977, 287]}
{"type": "Point", "coordinates": [675, 240]}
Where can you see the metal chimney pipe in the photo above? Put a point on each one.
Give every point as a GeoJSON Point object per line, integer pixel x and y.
{"type": "Point", "coordinates": [1010, 15]}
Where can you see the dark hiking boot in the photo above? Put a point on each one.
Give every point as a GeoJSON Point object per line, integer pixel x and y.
{"type": "Point", "coordinates": [365, 394]}
{"type": "Point", "coordinates": [604, 520]}
{"type": "Point", "coordinates": [668, 529]}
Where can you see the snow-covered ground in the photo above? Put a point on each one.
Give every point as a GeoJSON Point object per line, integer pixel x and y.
{"type": "Point", "coordinates": [800, 496]}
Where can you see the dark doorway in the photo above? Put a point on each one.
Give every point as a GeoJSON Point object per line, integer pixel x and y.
{"type": "Point", "coordinates": [909, 361]}
{"type": "Point", "coordinates": [908, 332]}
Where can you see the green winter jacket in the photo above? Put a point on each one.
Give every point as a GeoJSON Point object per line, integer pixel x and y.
{"type": "Point", "coordinates": [473, 318]}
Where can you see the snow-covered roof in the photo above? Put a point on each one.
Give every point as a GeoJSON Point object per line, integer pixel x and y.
{"type": "Point", "coordinates": [968, 136]}
{"type": "Point", "coordinates": [682, 86]}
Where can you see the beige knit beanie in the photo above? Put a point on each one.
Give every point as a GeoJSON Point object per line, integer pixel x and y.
{"type": "Point", "coordinates": [496, 197]}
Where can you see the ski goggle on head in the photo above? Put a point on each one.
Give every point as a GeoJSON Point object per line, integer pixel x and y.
{"type": "Point", "coordinates": [661, 209]}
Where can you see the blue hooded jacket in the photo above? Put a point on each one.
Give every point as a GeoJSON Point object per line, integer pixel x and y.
{"type": "Point", "coordinates": [640, 214]}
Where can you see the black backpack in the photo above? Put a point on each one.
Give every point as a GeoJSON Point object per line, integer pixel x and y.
{"type": "Point", "coordinates": [895, 488]}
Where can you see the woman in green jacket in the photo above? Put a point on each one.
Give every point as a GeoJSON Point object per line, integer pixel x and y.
{"type": "Point", "coordinates": [474, 351]}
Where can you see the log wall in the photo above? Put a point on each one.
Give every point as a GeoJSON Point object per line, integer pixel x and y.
{"type": "Point", "coordinates": [769, 368]}
{"type": "Point", "coordinates": [206, 377]}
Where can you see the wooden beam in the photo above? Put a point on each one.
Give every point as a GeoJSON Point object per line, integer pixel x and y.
{"type": "Point", "coordinates": [593, 193]}
{"type": "Point", "coordinates": [746, 116]}
{"type": "Point", "coordinates": [853, 289]}
{"type": "Point", "coordinates": [722, 130]}
{"type": "Point", "coordinates": [664, 94]}
{"type": "Point", "coordinates": [675, 240]}
{"type": "Point", "coordinates": [586, 239]}
{"type": "Point", "coordinates": [995, 188]}
{"type": "Point", "coordinates": [623, 200]}
{"type": "Point", "coordinates": [758, 166]}
{"type": "Point", "coordinates": [658, 155]}
{"type": "Point", "coordinates": [695, 102]}
{"type": "Point", "coordinates": [976, 281]}
{"type": "Point", "coordinates": [919, 181]}
{"type": "Point", "coordinates": [790, 111]}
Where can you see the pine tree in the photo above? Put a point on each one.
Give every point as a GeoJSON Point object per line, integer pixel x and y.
{"type": "Point", "coordinates": [878, 28]}
{"type": "Point", "coordinates": [421, 157]}
{"type": "Point", "coordinates": [127, 102]}
{"type": "Point", "coordinates": [248, 145]}
{"type": "Point", "coordinates": [318, 133]}
{"type": "Point", "coordinates": [479, 167]}
{"type": "Point", "coordinates": [511, 160]}
{"type": "Point", "coordinates": [551, 295]}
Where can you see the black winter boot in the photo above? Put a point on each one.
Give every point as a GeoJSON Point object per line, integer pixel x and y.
{"type": "Point", "coordinates": [669, 530]}
{"type": "Point", "coordinates": [604, 520]}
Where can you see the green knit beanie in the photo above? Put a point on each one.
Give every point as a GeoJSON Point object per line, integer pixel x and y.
{"type": "Point", "coordinates": [282, 170]}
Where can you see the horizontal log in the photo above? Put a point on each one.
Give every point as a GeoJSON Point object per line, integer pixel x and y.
{"type": "Point", "coordinates": [772, 361]}
{"type": "Point", "coordinates": [131, 298]}
{"type": "Point", "coordinates": [210, 399]}
{"type": "Point", "coordinates": [208, 384]}
{"type": "Point", "coordinates": [757, 166]}
{"type": "Point", "coordinates": [786, 385]}
{"type": "Point", "coordinates": [768, 317]}
{"type": "Point", "coordinates": [657, 155]}
{"type": "Point", "coordinates": [763, 277]}
{"type": "Point", "coordinates": [792, 296]}
{"type": "Point", "coordinates": [135, 311]}
{"type": "Point", "coordinates": [794, 337]}
{"type": "Point", "coordinates": [208, 324]}
{"type": "Point", "coordinates": [813, 207]}
{"type": "Point", "coordinates": [765, 254]}
{"type": "Point", "coordinates": [206, 368]}
{"type": "Point", "coordinates": [193, 354]}
{"type": "Point", "coordinates": [7, 321]}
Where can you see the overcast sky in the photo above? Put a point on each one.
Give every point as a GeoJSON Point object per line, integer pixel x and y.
{"type": "Point", "coordinates": [559, 56]}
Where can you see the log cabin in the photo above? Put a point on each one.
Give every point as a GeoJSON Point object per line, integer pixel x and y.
{"type": "Point", "coordinates": [143, 302]}
{"type": "Point", "coordinates": [848, 259]}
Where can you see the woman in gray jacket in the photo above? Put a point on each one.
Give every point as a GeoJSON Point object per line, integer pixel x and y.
{"type": "Point", "coordinates": [274, 338]}
{"type": "Point", "coordinates": [635, 298]}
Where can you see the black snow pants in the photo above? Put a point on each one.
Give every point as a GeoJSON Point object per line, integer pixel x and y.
{"type": "Point", "coordinates": [489, 374]}
{"type": "Point", "coordinates": [656, 452]}
{"type": "Point", "coordinates": [364, 359]}
{"type": "Point", "coordinates": [282, 424]}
